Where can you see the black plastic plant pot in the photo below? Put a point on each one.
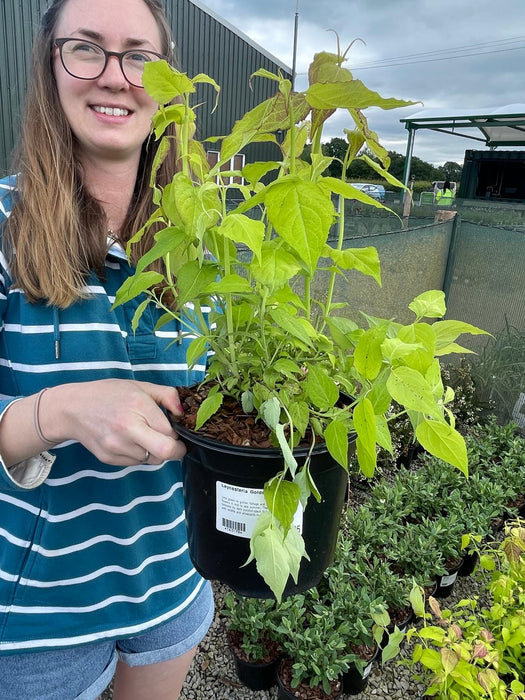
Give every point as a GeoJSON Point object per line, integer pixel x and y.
{"type": "Point", "coordinates": [402, 624]}
{"type": "Point", "coordinates": [354, 682]}
{"type": "Point", "coordinates": [468, 564]}
{"type": "Point", "coordinates": [256, 676]}
{"type": "Point", "coordinates": [223, 492]}
{"type": "Point", "coordinates": [445, 584]}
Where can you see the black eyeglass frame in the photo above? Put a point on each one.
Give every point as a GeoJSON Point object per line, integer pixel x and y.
{"type": "Point", "coordinates": [107, 54]}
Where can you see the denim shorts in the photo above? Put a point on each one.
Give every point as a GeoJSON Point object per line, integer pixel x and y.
{"type": "Point", "coordinates": [82, 673]}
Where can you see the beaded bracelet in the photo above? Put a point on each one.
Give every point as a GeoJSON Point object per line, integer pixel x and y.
{"type": "Point", "coordinates": [36, 420]}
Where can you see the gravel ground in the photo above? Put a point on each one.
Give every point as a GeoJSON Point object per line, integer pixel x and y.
{"type": "Point", "coordinates": [212, 675]}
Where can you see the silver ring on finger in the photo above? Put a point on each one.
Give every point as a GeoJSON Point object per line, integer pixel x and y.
{"type": "Point", "coordinates": [146, 456]}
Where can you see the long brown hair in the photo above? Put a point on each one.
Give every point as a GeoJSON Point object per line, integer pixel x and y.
{"type": "Point", "coordinates": [56, 233]}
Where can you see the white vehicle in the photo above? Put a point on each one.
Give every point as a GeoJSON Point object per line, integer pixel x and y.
{"type": "Point", "coordinates": [374, 191]}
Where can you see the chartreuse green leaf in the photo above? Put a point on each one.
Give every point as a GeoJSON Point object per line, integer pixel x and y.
{"type": "Point", "coordinates": [208, 408]}
{"type": "Point", "coordinates": [300, 413]}
{"type": "Point", "coordinates": [301, 212]}
{"type": "Point", "coordinates": [289, 459]}
{"type": "Point", "coordinates": [241, 229]}
{"type": "Point", "coordinates": [273, 559]}
{"type": "Point", "coordinates": [411, 390]}
{"type": "Point", "coordinates": [349, 95]}
{"type": "Point", "coordinates": [391, 650]}
{"type": "Point", "coordinates": [336, 437]}
{"type": "Point", "coordinates": [365, 260]}
{"type": "Point", "coordinates": [196, 349]}
{"type": "Point", "coordinates": [367, 459]}
{"type": "Point", "coordinates": [368, 357]}
{"type": "Point", "coordinates": [449, 659]}
{"type": "Point", "coordinates": [192, 279]}
{"type": "Point", "coordinates": [253, 172]}
{"type": "Point", "coordinates": [443, 441]}
{"type": "Point", "coordinates": [138, 313]}
{"type": "Point", "coordinates": [169, 115]}
{"type": "Point", "coordinates": [448, 331]}
{"type": "Point", "coordinates": [348, 191]}
{"type": "Point", "coordinates": [282, 499]}
{"type": "Point", "coordinates": [229, 284]}
{"type": "Point", "coordinates": [417, 601]}
{"type": "Point", "coordinates": [166, 241]}
{"type": "Point", "coordinates": [163, 82]}
{"type": "Point", "coordinates": [133, 286]}
{"type": "Point", "coordinates": [293, 325]}
{"type": "Point", "coordinates": [294, 545]}
{"type": "Point", "coordinates": [275, 268]}
{"type": "Point", "coordinates": [383, 436]}
{"type": "Point", "coordinates": [365, 423]}
{"type": "Point", "coordinates": [321, 390]}
{"type": "Point", "coordinates": [430, 304]}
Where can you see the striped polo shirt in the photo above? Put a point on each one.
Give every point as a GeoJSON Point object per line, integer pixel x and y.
{"type": "Point", "coordinates": [88, 551]}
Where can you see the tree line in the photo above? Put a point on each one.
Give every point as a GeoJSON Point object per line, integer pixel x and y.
{"type": "Point", "coordinates": [359, 170]}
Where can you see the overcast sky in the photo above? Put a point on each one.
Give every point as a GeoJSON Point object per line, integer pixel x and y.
{"type": "Point", "coordinates": [482, 43]}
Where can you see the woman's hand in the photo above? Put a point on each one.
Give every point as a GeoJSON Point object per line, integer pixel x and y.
{"type": "Point", "coordinates": [120, 421]}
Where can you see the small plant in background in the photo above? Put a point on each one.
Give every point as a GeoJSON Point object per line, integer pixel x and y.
{"type": "Point", "coordinates": [251, 623]}
{"type": "Point", "coordinates": [473, 652]}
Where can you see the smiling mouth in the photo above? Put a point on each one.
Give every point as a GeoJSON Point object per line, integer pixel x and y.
{"type": "Point", "coordinates": [111, 111]}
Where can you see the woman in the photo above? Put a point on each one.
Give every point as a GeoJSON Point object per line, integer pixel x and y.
{"type": "Point", "coordinates": [95, 577]}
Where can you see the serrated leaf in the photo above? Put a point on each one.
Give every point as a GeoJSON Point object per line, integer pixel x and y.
{"type": "Point", "coordinates": [208, 408]}
{"type": "Point", "coordinates": [302, 214]}
{"type": "Point", "coordinates": [163, 83]}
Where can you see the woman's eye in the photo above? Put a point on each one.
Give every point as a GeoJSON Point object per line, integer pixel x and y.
{"type": "Point", "coordinates": [84, 48]}
{"type": "Point", "coordinates": [140, 57]}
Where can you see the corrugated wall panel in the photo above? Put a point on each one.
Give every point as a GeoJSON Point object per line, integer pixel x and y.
{"type": "Point", "coordinates": [204, 45]}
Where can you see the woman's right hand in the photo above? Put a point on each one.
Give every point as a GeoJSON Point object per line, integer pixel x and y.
{"type": "Point", "coordinates": [120, 421]}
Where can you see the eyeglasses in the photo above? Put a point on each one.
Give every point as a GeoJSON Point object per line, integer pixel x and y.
{"type": "Point", "coordinates": [87, 61]}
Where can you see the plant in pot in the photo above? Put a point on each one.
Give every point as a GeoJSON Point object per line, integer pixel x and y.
{"type": "Point", "coordinates": [315, 649]}
{"type": "Point", "coordinates": [286, 363]}
{"type": "Point", "coordinates": [474, 652]}
{"type": "Point", "coordinates": [252, 639]}
{"type": "Point", "coordinates": [352, 600]}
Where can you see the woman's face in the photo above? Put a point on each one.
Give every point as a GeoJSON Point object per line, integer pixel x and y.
{"type": "Point", "coordinates": [89, 105]}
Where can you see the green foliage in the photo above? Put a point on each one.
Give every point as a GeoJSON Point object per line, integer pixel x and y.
{"type": "Point", "coordinates": [475, 652]}
{"type": "Point", "coordinates": [272, 345]}
{"type": "Point", "coordinates": [254, 618]}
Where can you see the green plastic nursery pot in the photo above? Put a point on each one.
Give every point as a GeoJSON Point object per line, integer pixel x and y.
{"type": "Point", "coordinates": [223, 492]}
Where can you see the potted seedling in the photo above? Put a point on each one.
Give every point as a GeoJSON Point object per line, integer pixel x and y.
{"type": "Point", "coordinates": [291, 378]}
{"type": "Point", "coordinates": [252, 639]}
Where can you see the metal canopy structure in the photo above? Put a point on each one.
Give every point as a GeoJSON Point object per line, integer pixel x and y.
{"type": "Point", "coordinates": [501, 126]}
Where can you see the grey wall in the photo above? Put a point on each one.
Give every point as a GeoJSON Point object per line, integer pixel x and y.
{"type": "Point", "coordinates": [205, 44]}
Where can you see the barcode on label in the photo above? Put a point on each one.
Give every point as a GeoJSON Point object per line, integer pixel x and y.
{"type": "Point", "coordinates": [232, 525]}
